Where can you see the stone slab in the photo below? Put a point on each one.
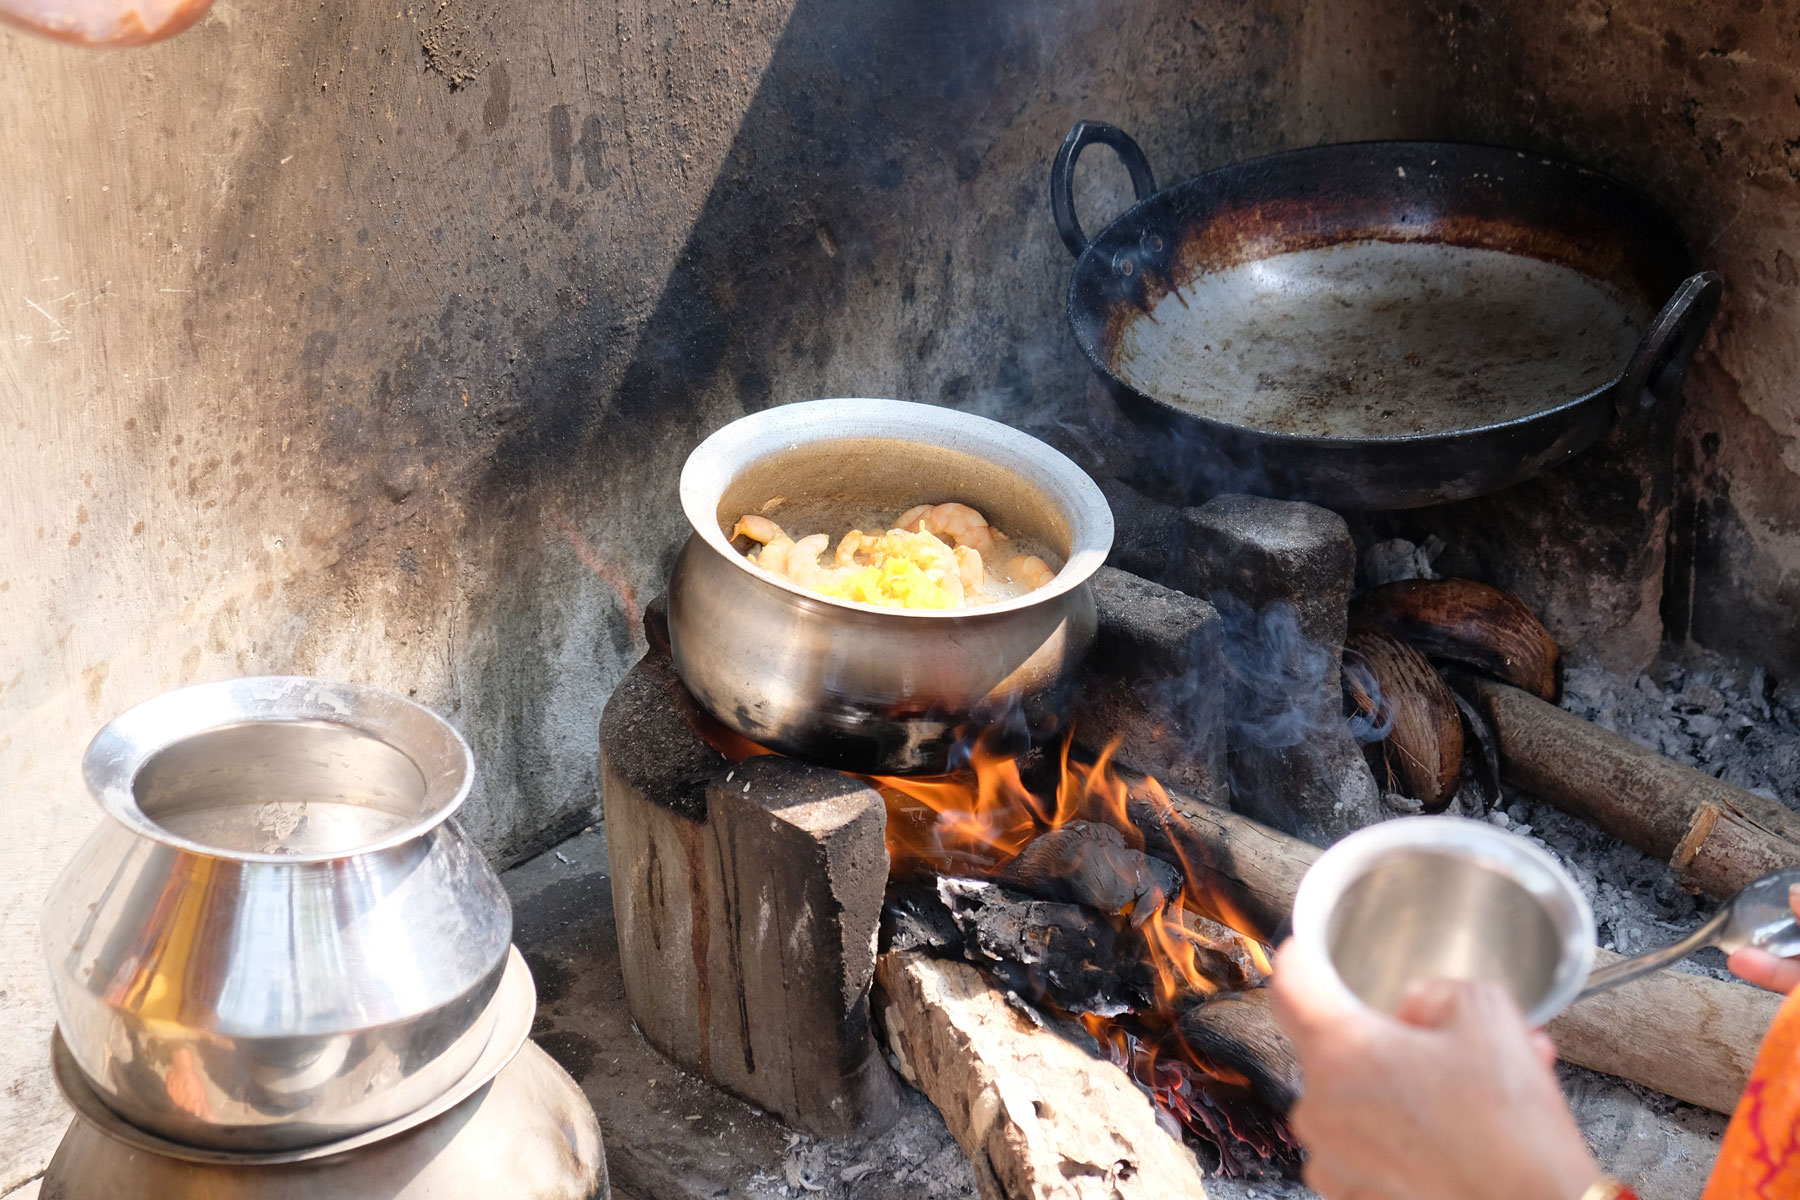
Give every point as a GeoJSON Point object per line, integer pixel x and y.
{"type": "Point", "coordinates": [1153, 684]}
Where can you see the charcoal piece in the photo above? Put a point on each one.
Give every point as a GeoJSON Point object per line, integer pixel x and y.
{"type": "Point", "coordinates": [1237, 1031]}
{"type": "Point", "coordinates": [1088, 863]}
{"type": "Point", "coordinates": [914, 918]}
{"type": "Point", "coordinates": [1061, 953]}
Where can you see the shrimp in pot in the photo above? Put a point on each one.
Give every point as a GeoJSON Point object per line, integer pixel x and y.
{"type": "Point", "coordinates": [968, 568]}
{"type": "Point", "coordinates": [803, 562]}
{"type": "Point", "coordinates": [854, 543]}
{"type": "Point", "coordinates": [1030, 570]}
{"type": "Point", "coordinates": [776, 545]}
{"type": "Point", "coordinates": [957, 522]}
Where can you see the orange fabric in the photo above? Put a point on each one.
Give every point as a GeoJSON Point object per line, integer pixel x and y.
{"type": "Point", "coordinates": [1760, 1158]}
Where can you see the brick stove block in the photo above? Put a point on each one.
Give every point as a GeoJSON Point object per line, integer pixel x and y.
{"type": "Point", "coordinates": [1152, 683]}
{"type": "Point", "coordinates": [1304, 774]}
{"type": "Point", "coordinates": [748, 898]}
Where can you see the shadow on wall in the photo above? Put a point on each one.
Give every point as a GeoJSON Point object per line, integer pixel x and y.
{"type": "Point", "coordinates": [879, 226]}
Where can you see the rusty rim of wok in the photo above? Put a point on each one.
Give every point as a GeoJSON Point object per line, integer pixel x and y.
{"type": "Point", "coordinates": [1461, 195]}
{"type": "Point", "coordinates": [1047, 475]}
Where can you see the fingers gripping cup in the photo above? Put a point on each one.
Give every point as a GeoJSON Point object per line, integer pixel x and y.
{"type": "Point", "coordinates": [1446, 898]}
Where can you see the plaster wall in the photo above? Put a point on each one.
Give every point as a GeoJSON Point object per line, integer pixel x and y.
{"type": "Point", "coordinates": [367, 342]}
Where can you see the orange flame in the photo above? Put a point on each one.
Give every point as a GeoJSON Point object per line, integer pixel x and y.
{"type": "Point", "coordinates": [977, 821]}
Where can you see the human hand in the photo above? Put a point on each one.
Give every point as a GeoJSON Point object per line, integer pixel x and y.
{"type": "Point", "coordinates": [1763, 969]}
{"type": "Point", "coordinates": [1451, 1099]}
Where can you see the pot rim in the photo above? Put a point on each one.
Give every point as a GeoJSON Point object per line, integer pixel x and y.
{"type": "Point", "coordinates": [725, 453]}
{"type": "Point", "coordinates": [130, 740]}
{"type": "Point", "coordinates": [1477, 842]}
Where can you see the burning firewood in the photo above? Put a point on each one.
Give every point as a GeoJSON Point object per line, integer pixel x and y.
{"type": "Point", "coordinates": [1062, 954]}
{"type": "Point", "coordinates": [1462, 621]}
{"type": "Point", "coordinates": [1088, 863]}
{"type": "Point", "coordinates": [1395, 689]}
{"type": "Point", "coordinates": [1065, 955]}
{"type": "Point", "coordinates": [1644, 1031]}
{"type": "Point", "coordinates": [1237, 1031]}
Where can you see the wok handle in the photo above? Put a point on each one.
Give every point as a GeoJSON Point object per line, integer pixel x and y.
{"type": "Point", "coordinates": [1661, 360]}
{"type": "Point", "coordinates": [1062, 175]}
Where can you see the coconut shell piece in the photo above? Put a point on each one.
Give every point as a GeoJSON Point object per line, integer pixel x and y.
{"type": "Point", "coordinates": [1396, 688]}
{"type": "Point", "coordinates": [1462, 621]}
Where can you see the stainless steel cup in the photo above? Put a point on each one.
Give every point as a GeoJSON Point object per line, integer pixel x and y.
{"type": "Point", "coordinates": [1446, 898]}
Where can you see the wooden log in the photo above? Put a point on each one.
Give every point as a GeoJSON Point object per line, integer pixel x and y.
{"type": "Point", "coordinates": [1688, 1036]}
{"type": "Point", "coordinates": [748, 897]}
{"type": "Point", "coordinates": [1243, 874]}
{"type": "Point", "coordinates": [1039, 1117]}
{"type": "Point", "coordinates": [1649, 801]}
{"type": "Point", "coordinates": [1722, 852]}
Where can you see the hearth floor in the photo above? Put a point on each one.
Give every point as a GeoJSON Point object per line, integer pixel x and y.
{"type": "Point", "coordinates": [671, 1136]}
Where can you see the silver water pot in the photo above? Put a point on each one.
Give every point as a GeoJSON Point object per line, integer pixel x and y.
{"type": "Point", "coordinates": [278, 937]}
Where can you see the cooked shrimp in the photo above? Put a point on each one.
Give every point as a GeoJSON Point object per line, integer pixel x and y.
{"type": "Point", "coordinates": [968, 568]}
{"type": "Point", "coordinates": [1030, 570]}
{"type": "Point", "coordinates": [958, 522]}
{"type": "Point", "coordinates": [803, 561]}
{"type": "Point", "coordinates": [774, 556]}
{"type": "Point", "coordinates": [854, 543]}
{"type": "Point", "coordinates": [757, 529]}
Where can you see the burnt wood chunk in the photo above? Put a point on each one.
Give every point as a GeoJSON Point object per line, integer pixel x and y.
{"type": "Point", "coordinates": [1038, 1115]}
{"type": "Point", "coordinates": [1153, 683]}
{"type": "Point", "coordinates": [1237, 1031]}
{"type": "Point", "coordinates": [1087, 863]}
{"type": "Point", "coordinates": [1280, 573]}
{"type": "Point", "coordinates": [748, 898]}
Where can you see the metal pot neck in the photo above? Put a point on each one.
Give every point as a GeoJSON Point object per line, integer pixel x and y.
{"type": "Point", "coordinates": [422, 763]}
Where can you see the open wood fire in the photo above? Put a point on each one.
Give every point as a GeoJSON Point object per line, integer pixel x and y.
{"type": "Point", "coordinates": [1034, 870]}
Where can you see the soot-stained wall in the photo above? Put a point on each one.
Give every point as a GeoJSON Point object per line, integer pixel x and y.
{"type": "Point", "coordinates": [367, 341]}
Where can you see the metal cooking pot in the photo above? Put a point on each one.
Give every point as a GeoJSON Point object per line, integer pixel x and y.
{"type": "Point", "coordinates": [1378, 325]}
{"type": "Point", "coordinates": [278, 937]}
{"type": "Point", "coordinates": [852, 685]}
{"type": "Point", "coordinates": [528, 1135]}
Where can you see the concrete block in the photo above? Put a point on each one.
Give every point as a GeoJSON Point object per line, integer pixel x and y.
{"type": "Point", "coordinates": [748, 897]}
{"type": "Point", "coordinates": [1147, 533]}
{"type": "Point", "coordinates": [1281, 573]}
{"type": "Point", "coordinates": [1153, 684]}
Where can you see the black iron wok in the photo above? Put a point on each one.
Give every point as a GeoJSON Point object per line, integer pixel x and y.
{"type": "Point", "coordinates": [1378, 325]}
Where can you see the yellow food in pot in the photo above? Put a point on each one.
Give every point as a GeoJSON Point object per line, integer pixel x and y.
{"type": "Point", "coordinates": [933, 559]}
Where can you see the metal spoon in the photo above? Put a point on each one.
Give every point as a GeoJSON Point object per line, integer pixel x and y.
{"type": "Point", "coordinates": [1759, 915]}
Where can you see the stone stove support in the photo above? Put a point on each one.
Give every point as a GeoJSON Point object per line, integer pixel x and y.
{"type": "Point", "coordinates": [748, 899]}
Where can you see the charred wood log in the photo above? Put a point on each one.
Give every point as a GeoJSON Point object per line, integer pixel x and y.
{"type": "Point", "coordinates": [1643, 1031]}
{"type": "Point", "coordinates": [1462, 621]}
{"type": "Point", "coordinates": [1650, 801]}
{"type": "Point", "coordinates": [1087, 863]}
{"type": "Point", "coordinates": [1062, 954]}
{"type": "Point", "coordinates": [1396, 690]}
{"type": "Point", "coordinates": [1237, 1031]}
